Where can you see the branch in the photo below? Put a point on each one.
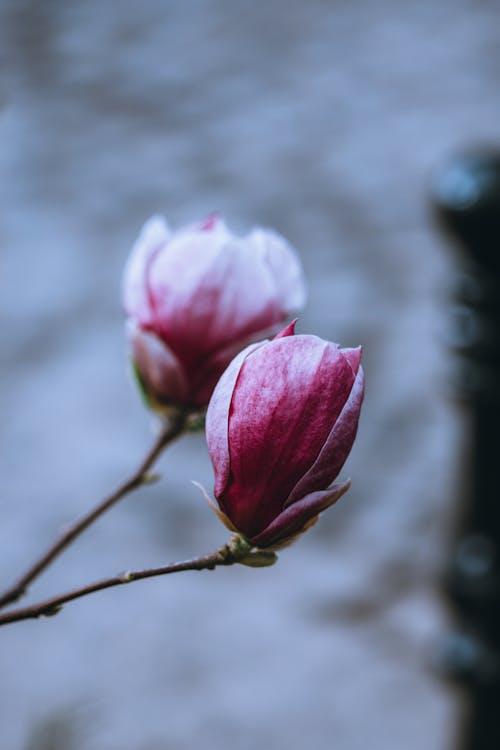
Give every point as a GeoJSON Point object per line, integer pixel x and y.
{"type": "Point", "coordinates": [237, 550]}
{"type": "Point", "coordinates": [169, 432]}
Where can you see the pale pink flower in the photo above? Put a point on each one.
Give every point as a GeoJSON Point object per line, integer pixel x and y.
{"type": "Point", "coordinates": [197, 296]}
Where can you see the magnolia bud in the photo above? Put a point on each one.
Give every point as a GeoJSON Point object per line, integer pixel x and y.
{"type": "Point", "coordinates": [280, 425]}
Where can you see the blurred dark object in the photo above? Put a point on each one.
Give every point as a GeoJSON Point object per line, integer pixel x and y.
{"type": "Point", "coordinates": [466, 196]}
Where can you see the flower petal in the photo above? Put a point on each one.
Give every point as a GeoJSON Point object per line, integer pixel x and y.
{"type": "Point", "coordinates": [293, 519]}
{"type": "Point", "coordinates": [154, 234]}
{"type": "Point", "coordinates": [337, 447]}
{"type": "Point", "coordinates": [284, 266]}
{"type": "Point", "coordinates": [218, 417]}
{"type": "Point", "coordinates": [211, 368]}
{"type": "Point", "coordinates": [161, 371]}
{"type": "Point", "coordinates": [288, 330]}
{"type": "Point", "coordinates": [353, 356]}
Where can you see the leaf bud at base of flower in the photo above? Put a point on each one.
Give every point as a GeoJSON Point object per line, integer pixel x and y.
{"type": "Point", "coordinates": [240, 550]}
{"type": "Point", "coordinates": [260, 558]}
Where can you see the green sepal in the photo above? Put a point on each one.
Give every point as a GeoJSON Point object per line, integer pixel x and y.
{"type": "Point", "coordinates": [151, 478]}
{"type": "Point", "coordinates": [195, 422]}
{"type": "Point", "coordinates": [260, 558]}
{"type": "Point", "coordinates": [240, 550]}
{"type": "Point", "coordinates": [52, 611]}
{"type": "Point", "coordinates": [141, 384]}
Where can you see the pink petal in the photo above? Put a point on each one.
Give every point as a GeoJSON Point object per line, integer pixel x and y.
{"type": "Point", "coordinates": [210, 222]}
{"type": "Point", "coordinates": [353, 356]}
{"type": "Point", "coordinates": [284, 266]}
{"type": "Point", "coordinates": [214, 224]}
{"type": "Point", "coordinates": [218, 416]}
{"type": "Point", "coordinates": [337, 447]}
{"type": "Point", "coordinates": [160, 369]}
{"type": "Point", "coordinates": [296, 516]}
{"type": "Point", "coordinates": [289, 330]}
{"type": "Point", "coordinates": [154, 234]}
{"type": "Point", "coordinates": [207, 375]}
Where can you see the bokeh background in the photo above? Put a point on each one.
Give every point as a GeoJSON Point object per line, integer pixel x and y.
{"type": "Point", "coordinates": [324, 120]}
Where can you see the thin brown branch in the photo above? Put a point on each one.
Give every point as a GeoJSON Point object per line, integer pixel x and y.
{"type": "Point", "coordinates": [229, 554]}
{"type": "Point", "coordinates": [169, 432]}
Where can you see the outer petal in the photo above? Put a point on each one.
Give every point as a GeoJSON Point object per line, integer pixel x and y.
{"type": "Point", "coordinates": [206, 377]}
{"type": "Point", "coordinates": [213, 224]}
{"type": "Point", "coordinates": [353, 356]}
{"type": "Point", "coordinates": [288, 330]}
{"type": "Point", "coordinates": [220, 515]}
{"type": "Point", "coordinates": [218, 418]}
{"type": "Point", "coordinates": [336, 448]}
{"type": "Point", "coordinates": [247, 302]}
{"type": "Point", "coordinates": [293, 519]}
{"type": "Point", "coordinates": [284, 266]}
{"type": "Point", "coordinates": [210, 222]}
{"type": "Point", "coordinates": [160, 369]}
{"type": "Point", "coordinates": [154, 234]}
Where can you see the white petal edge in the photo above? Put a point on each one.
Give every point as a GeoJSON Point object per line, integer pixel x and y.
{"type": "Point", "coordinates": [152, 236]}
{"type": "Point", "coordinates": [284, 265]}
{"type": "Point", "coordinates": [217, 422]}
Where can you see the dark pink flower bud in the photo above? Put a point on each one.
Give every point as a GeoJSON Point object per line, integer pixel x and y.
{"type": "Point", "coordinates": [280, 425]}
{"type": "Point", "coordinates": [196, 297]}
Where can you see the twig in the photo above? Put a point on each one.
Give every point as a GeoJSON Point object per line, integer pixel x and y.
{"type": "Point", "coordinates": [235, 551]}
{"type": "Point", "coordinates": [169, 432]}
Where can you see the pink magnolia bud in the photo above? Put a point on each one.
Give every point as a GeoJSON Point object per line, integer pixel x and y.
{"type": "Point", "coordinates": [280, 425]}
{"type": "Point", "coordinates": [196, 297]}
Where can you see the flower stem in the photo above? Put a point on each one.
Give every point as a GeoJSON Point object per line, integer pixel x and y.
{"type": "Point", "coordinates": [172, 429]}
{"type": "Point", "coordinates": [229, 554]}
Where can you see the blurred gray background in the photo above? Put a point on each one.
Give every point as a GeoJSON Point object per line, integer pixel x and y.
{"type": "Point", "coordinates": [325, 121]}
